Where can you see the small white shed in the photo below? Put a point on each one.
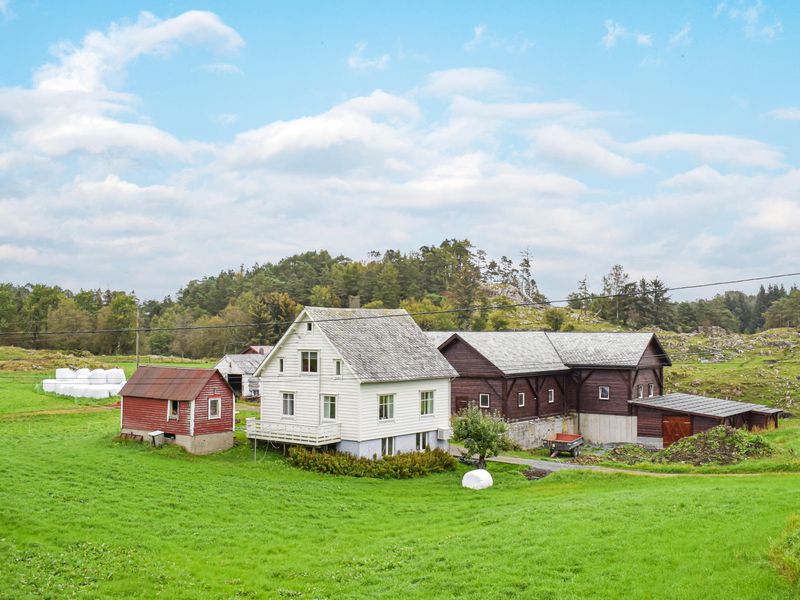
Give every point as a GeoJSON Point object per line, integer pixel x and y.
{"type": "Point", "coordinates": [238, 370]}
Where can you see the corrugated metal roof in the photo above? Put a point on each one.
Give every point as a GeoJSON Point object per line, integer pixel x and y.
{"type": "Point", "coordinates": [381, 349]}
{"type": "Point", "coordinates": [167, 383]}
{"type": "Point", "coordinates": [516, 352]}
{"type": "Point", "coordinates": [247, 363]}
{"type": "Point", "coordinates": [698, 405]}
{"type": "Point", "coordinates": [600, 349]}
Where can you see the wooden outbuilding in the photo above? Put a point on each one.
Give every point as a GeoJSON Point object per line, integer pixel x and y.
{"type": "Point", "coordinates": [194, 408]}
{"type": "Point", "coordinates": [257, 350]}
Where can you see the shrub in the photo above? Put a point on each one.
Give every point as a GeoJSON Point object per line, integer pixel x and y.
{"type": "Point", "coordinates": [722, 445]}
{"type": "Point", "coordinates": [399, 466]}
{"type": "Point", "coordinates": [554, 318]}
{"type": "Point", "coordinates": [482, 434]}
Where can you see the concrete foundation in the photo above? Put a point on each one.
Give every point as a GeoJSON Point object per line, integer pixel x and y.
{"type": "Point", "coordinates": [402, 443]}
{"type": "Point", "coordinates": [607, 429]}
{"type": "Point", "coordinates": [198, 444]}
{"type": "Point", "coordinates": [651, 442]}
{"type": "Point", "coordinates": [531, 433]}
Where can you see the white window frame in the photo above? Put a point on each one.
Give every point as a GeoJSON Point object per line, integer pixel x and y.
{"type": "Point", "coordinates": [302, 362]}
{"type": "Point", "coordinates": [607, 389]}
{"type": "Point", "coordinates": [423, 441]}
{"type": "Point", "coordinates": [651, 390]}
{"type": "Point", "coordinates": [551, 396]}
{"type": "Point", "coordinates": [326, 403]}
{"type": "Point", "coordinates": [520, 399]}
{"type": "Point", "coordinates": [488, 400]}
{"type": "Point", "coordinates": [177, 416]}
{"type": "Point", "coordinates": [387, 446]}
{"type": "Point", "coordinates": [212, 416]}
{"type": "Point", "coordinates": [337, 367]}
{"type": "Point", "coordinates": [423, 402]}
{"type": "Point", "coordinates": [284, 399]}
{"type": "Point", "coordinates": [390, 407]}
{"type": "Point", "coordinates": [640, 391]}
{"type": "Point", "coordinates": [281, 365]}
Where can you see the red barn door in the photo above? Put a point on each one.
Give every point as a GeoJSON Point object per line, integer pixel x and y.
{"type": "Point", "coordinates": [675, 428]}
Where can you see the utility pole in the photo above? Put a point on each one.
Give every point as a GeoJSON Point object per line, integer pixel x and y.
{"type": "Point", "coordinates": [137, 334]}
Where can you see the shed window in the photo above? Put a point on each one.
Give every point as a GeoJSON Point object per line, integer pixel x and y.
{"type": "Point", "coordinates": [604, 392]}
{"type": "Point", "coordinates": [214, 407]}
{"type": "Point", "coordinates": [422, 441]}
{"type": "Point", "coordinates": [280, 365]}
{"type": "Point", "coordinates": [651, 390]}
{"type": "Point", "coordinates": [385, 407]}
{"type": "Point", "coordinates": [426, 403]}
{"type": "Point", "coordinates": [520, 399]}
{"type": "Point", "coordinates": [387, 446]}
{"type": "Point", "coordinates": [337, 367]}
{"type": "Point", "coordinates": [308, 362]}
{"type": "Point", "coordinates": [483, 400]}
{"type": "Point", "coordinates": [174, 410]}
{"type": "Point", "coordinates": [329, 407]}
{"type": "Point", "coordinates": [288, 404]}
{"type": "Point", "coordinates": [551, 396]}
{"type": "Point", "coordinates": [640, 390]}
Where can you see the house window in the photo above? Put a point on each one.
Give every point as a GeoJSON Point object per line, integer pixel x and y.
{"type": "Point", "coordinates": [308, 326]}
{"type": "Point", "coordinates": [214, 407]}
{"type": "Point", "coordinates": [426, 403]}
{"type": "Point", "coordinates": [174, 410]}
{"type": "Point", "coordinates": [483, 400]}
{"type": "Point", "coordinates": [640, 390]}
{"type": "Point", "coordinates": [520, 399]}
{"type": "Point", "coordinates": [604, 392]}
{"type": "Point", "coordinates": [651, 389]}
{"type": "Point", "coordinates": [422, 441]}
{"type": "Point", "coordinates": [329, 407]}
{"type": "Point", "coordinates": [385, 407]}
{"type": "Point", "coordinates": [308, 362]}
{"type": "Point", "coordinates": [337, 367]}
{"type": "Point", "coordinates": [551, 396]}
{"type": "Point", "coordinates": [280, 365]}
{"type": "Point", "coordinates": [288, 404]}
{"type": "Point", "coordinates": [387, 446]}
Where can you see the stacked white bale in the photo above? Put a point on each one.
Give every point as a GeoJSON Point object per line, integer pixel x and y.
{"type": "Point", "coordinates": [65, 374]}
{"type": "Point", "coordinates": [49, 385]}
{"type": "Point", "coordinates": [82, 375]}
{"type": "Point", "coordinates": [83, 383]}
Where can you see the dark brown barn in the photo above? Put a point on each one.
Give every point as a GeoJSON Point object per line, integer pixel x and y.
{"type": "Point", "coordinates": [193, 407]}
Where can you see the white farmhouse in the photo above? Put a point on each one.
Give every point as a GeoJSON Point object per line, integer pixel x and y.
{"type": "Point", "coordinates": [239, 371]}
{"type": "Point", "coordinates": [367, 381]}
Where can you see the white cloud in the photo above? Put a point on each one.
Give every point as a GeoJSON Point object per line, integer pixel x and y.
{"type": "Point", "coordinates": [359, 62]}
{"type": "Point", "coordinates": [514, 44]}
{"type": "Point", "coordinates": [477, 36]}
{"type": "Point", "coordinates": [227, 118]}
{"type": "Point", "coordinates": [614, 31]}
{"type": "Point", "coordinates": [725, 149]}
{"type": "Point", "coordinates": [4, 9]}
{"type": "Point", "coordinates": [751, 15]}
{"type": "Point", "coordinates": [583, 149]}
{"type": "Point", "coordinates": [682, 37]}
{"type": "Point", "coordinates": [467, 81]}
{"type": "Point", "coordinates": [644, 39]}
{"type": "Point", "coordinates": [787, 113]}
{"type": "Point", "coordinates": [223, 68]}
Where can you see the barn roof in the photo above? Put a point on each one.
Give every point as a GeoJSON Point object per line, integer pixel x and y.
{"type": "Point", "coordinates": [257, 350]}
{"type": "Point", "coordinates": [701, 405]}
{"type": "Point", "coordinates": [167, 383]}
{"type": "Point", "coordinates": [516, 352]}
{"type": "Point", "coordinates": [381, 344]}
{"type": "Point", "coordinates": [248, 363]}
{"type": "Point", "coordinates": [601, 349]}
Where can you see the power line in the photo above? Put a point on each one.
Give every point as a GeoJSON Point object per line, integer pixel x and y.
{"type": "Point", "coordinates": [472, 308]}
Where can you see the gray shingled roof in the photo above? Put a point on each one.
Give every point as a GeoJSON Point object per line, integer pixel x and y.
{"type": "Point", "coordinates": [439, 337]}
{"type": "Point", "coordinates": [248, 363]}
{"type": "Point", "coordinates": [516, 352]}
{"type": "Point", "coordinates": [381, 349]}
{"type": "Point", "coordinates": [698, 405]}
{"type": "Point", "coordinates": [600, 349]}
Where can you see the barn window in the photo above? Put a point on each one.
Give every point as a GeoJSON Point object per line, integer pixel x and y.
{"type": "Point", "coordinates": [651, 390]}
{"type": "Point", "coordinates": [288, 404]}
{"type": "Point", "coordinates": [308, 362]}
{"type": "Point", "coordinates": [385, 407]}
{"type": "Point", "coordinates": [483, 400]}
{"type": "Point", "coordinates": [329, 407]}
{"type": "Point", "coordinates": [309, 326]}
{"type": "Point", "coordinates": [174, 410]}
{"type": "Point", "coordinates": [280, 365]}
{"type": "Point", "coordinates": [422, 441]}
{"type": "Point", "coordinates": [604, 392]}
{"type": "Point", "coordinates": [337, 367]}
{"type": "Point", "coordinates": [214, 407]}
{"type": "Point", "coordinates": [426, 403]}
{"type": "Point", "coordinates": [640, 390]}
{"type": "Point", "coordinates": [387, 446]}
{"type": "Point", "coordinates": [551, 396]}
{"type": "Point", "coordinates": [520, 399]}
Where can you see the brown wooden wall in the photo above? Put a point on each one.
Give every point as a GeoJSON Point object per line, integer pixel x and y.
{"type": "Point", "coordinates": [616, 379]}
{"type": "Point", "coordinates": [150, 415]}
{"type": "Point", "coordinates": [700, 424]}
{"type": "Point", "coordinates": [468, 361]}
{"type": "Point", "coordinates": [648, 422]}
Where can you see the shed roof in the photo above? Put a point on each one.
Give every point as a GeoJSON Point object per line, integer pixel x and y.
{"type": "Point", "coordinates": [167, 383]}
{"type": "Point", "coordinates": [699, 405]}
{"type": "Point", "coordinates": [516, 352]}
{"type": "Point", "coordinates": [381, 344]}
{"type": "Point", "coordinates": [257, 350]}
{"type": "Point", "coordinates": [248, 363]}
{"type": "Point", "coordinates": [600, 349]}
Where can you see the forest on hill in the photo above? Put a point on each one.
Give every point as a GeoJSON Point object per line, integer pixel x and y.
{"type": "Point", "coordinates": [225, 312]}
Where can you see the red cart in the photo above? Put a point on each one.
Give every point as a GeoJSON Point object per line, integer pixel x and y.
{"type": "Point", "coordinates": [564, 442]}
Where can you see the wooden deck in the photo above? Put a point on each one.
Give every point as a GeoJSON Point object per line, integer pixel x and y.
{"type": "Point", "coordinates": [291, 433]}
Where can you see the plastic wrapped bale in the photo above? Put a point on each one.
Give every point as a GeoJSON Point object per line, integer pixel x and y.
{"type": "Point", "coordinates": [97, 376]}
{"type": "Point", "coordinates": [49, 385]}
{"type": "Point", "coordinates": [477, 479]}
{"type": "Point", "coordinates": [115, 376]}
{"type": "Point", "coordinates": [82, 375]}
{"type": "Point", "coordinates": [65, 374]}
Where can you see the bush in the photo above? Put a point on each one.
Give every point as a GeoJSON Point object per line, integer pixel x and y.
{"type": "Point", "coordinates": [483, 434]}
{"type": "Point", "coordinates": [400, 466]}
{"type": "Point", "coordinates": [722, 445]}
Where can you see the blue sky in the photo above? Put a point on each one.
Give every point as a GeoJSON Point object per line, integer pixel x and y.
{"type": "Point", "coordinates": [144, 144]}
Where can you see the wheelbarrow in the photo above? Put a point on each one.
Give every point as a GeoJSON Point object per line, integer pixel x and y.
{"type": "Point", "coordinates": [568, 443]}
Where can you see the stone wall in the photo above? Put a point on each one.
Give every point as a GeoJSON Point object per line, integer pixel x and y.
{"type": "Point", "coordinates": [531, 433]}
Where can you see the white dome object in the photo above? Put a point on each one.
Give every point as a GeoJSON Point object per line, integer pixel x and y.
{"type": "Point", "coordinates": [98, 376]}
{"type": "Point", "coordinates": [49, 385]}
{"type": "Point", "coordinates": [65, 374]}
{"type": "Point", "coordinates": [477, 480]}
{"type": "Point", "coordinates": [82, 375]}
{"type": "Point", "coordinates": [115, 376]}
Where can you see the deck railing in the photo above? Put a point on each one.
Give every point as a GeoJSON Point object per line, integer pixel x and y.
{"type": "Point", "coordinates": [292, 433]}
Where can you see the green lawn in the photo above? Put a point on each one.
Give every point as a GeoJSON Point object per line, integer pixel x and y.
{"type": "Point", "coordinates": [82, 515]}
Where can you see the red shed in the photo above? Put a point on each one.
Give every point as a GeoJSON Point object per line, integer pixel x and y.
{"type": "Point", "coordinates": [193, 407]}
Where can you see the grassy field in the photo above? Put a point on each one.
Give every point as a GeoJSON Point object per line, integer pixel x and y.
{"type": "Point", "coordinates": [83, 515]}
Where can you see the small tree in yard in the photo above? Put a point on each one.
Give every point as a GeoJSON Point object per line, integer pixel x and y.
{"type": "Point", "coordinates": [483, 434]}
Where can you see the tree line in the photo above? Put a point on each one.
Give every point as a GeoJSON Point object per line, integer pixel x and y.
{"type": "Point", "coordinates": [205, 318]}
